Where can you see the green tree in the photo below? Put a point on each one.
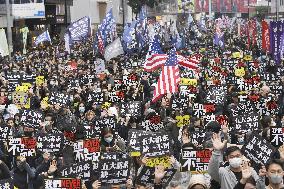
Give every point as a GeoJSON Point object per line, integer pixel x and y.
{"type": "Point", "coordinates": [137, 5]}
{"type": "Point", "coordinates": [261, 12]}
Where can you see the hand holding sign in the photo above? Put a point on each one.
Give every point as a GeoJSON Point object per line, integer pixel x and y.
{"type": "Point", "coordinates": [281, 152]}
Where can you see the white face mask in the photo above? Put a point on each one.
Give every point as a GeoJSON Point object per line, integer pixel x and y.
{"type": "Point", "coordinates": [235, 162]}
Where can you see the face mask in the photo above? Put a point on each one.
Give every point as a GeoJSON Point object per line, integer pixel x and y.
{"type": "Point", "coordinates": [108, 139]}
{"type": "Point", "coordinates": [276, 179]}
{"type": "Point", "coordinates": [235, 162]}
{"type": "Point", "coordinates": [82, 109]}
{"type": "Point", "coordinates": [241, 140]}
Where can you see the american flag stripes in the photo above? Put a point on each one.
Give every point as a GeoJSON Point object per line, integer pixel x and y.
{"type": "Point", "coordinates": [156, 58]}
{"type": "Point", "coordinates": [169, 77]}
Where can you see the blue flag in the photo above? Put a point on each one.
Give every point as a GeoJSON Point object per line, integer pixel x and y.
{"type": "Point", "coordinates": [80, 29]}
{"type": "Point", "coordinates": [141, 29]}
{"type": "Point", "coordinates": [106, 33]}
{"type": "Point", "coordinates": [42, 37]}
{"type": "Point", "coordinates": [129, 39]}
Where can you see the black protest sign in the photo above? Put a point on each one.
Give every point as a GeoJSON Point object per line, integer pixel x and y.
{"type": "Point", "coordinates": [132, 108]}
{"type": "Point", "coordinates": [24, 146]}
{"type": "Point", "coordinates": [114, 168]}
{"type": "Point", "coordinates": [5, 132]}
{"type": "Point", "coordinates": [73, 83]}
{"type": "Point", "coordinates": [116, 96]}
{"type": "Point", "coordinates": [59, 98]}
{"type": "Point", "coordinates": [153, 123]}
{"type": "Point", "coordinates": [276, 136]}
{"type": "Point", "coordinates": [92, 131]}
{"type": "Point", "coordinates": [95, 97]}
{"type": "Point", "coordinates": [118, 85]}
{"type": "Point", "coordinates": [246, 122]}
{"type": "Point", "coordinates": [105, 122]}
{"type": "Point", "coordinates": [14, 80]}
{"type": "Point", "coordinates": [80, 170]}
{"type": "Point", "coordinates": [146, 177]}
{"type": "Point", "coordinates": [244, 85]}
{"type": "Point", "coordinates": [195, 160]}
{"type": "Point", "coordinates": [246, 107]}
{"type": "Point", "coordinates": [31, 118]}
{"type": "Point", "coordinates": [155, 145]}
{"type": "Point", "coordinates": [85, 150]}
{"type": "Point", "coordinates": [268, 106]}
{"type": "Point", "coordinates": [134, 145]}
{"type": "Point", "coordinates": [6, 184]}
{"type": "Point", "coordinates": [52, 142]}
{"type": "Point", "coordinates": [258, 150]}
{"type": "Point", "coordinates": [276, 89]}
{"type": "Point", "coordinates": [62, 183]}
{"type": "Point", "coordinates": [17, 79]}
{"type": "Point", "coordinates": [216, 95]}
{"type": "Point", "coordinates": [87, 79]}
{"type": "Point", "coordinates": [197, 137]}
{"type": "Point", "coordinates": [187, 73]}
{"type": "Point", "coordinates": [130, 80]}
{"type": "Point", "coordinates": [198, 110]}
{"type": "Point", "coordinates": [180, 103]}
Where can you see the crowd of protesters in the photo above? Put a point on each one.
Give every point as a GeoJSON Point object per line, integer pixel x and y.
{"type": "Point", "coordinates": [228, 167]}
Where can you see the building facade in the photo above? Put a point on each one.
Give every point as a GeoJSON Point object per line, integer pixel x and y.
{"type": "Point", "coordinates": [97, 9]}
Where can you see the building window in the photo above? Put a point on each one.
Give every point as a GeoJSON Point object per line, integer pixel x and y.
{"type": "Point", "coordinates": [281, 2]}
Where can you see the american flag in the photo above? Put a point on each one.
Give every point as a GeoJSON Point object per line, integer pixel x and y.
{"type": "Point", "coordinates": [169, 77]}
{"type": "Point", "coordinates": [156, 58]}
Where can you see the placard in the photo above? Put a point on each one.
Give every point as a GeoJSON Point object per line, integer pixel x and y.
{"type": "Point", "coordinates": [134, 138]}
{"type": "Point", "coordinates": [59, 98]}
{"type": "Point", "coordinates": [52, 143]}
{"type": "Point", "coordinates": [105, 122]}
{"type": "Point", "coordinates": [5, 132]}
{"type": "Point", "coordinates": [62, 183]}
{"type": "Point", "coordinates": [195, 160]}
{"type": "Point", "coordinates": [6, 184]}
{"type": "Point", "coordinates": [155, 145]}
{"type": "Point", "coordinates": [24, 146]}
{"type": "Point", "coordinates": [246, 122]}
{"type": "Point", "coordinates": [31, 118]}
{"type": "Point", "coordinates": [80, 170]}
{"type": "Point", "coordinates": [95, 97]}
{"type": "Point", "coordinates": [154, 124]}
{"type": "Point", "coordinates": [276, 136]}
{"type": "Point", "coordinates": [132, 108]}
{"type": "Point", "coordinates": [116, 96]}
{"type": "Point", "coordinates": [216, 95]}
{"type": "Point", "coordinates": [183, 120]}
{"type": "Point", "coordinates": [73, 84]}
{"type": "Point", "coordinates": [85, 150]}
{"type": "Point", "coordinates": [114, 168]}
{"type": "Point", "coordinates": [258, 150]}
{"type": "Point", "coordinates": [197, 137]}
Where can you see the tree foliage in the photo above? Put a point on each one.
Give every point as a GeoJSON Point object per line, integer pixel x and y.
{"type": "Point", "coordinates": [137, 5]}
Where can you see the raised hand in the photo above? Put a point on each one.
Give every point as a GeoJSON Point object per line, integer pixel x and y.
{"type": "Point", "coordinates": [281, 152]}
{"type": "Point", "coordinates": [246, 171]}
{"type": "Point", "coordinates": [159, 173]}
{"type": "Point", "coordinates": [217, 143]}
{"type": "Point", "coordinates": [52, 167]}
{"type": "Point", "coordinates": [96, 184]}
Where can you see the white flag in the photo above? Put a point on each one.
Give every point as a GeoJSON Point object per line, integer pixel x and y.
{"type": "Point", "coordinates": [113, 50]}
{"type": "Point", "coordinates": [4, 50]}
{"type": "Point", "coordinates": [42, 37]}
{"type": "Point", "coordinates": [67, 42]}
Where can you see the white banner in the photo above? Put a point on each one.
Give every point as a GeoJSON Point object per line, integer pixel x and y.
{"type": "Point", "coordinates": [4, 50]}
